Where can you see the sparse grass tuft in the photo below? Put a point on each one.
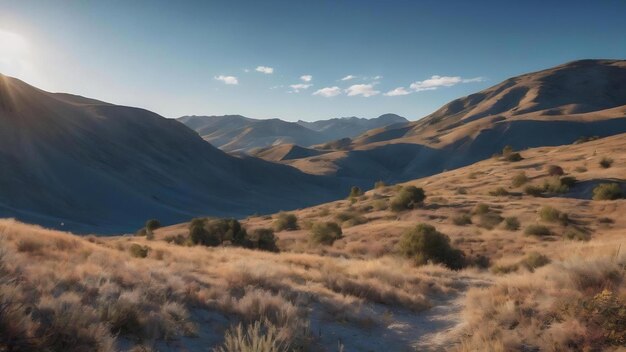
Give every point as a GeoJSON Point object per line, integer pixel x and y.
{"type": "Point", "coordinates": [537, 230]}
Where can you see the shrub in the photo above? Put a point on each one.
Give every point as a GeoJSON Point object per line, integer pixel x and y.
{"type": "Point", "coordinates": [141, 232]}
{"type": "Point", "coordinates": [555, 170]}
{"type": "Point", "coordinates": [550, 214]}
{"type": "Point", "coordinates": [568, 181]}
{"type": "Point", "coordinates": [481, 208]}
{"type": "Point", "coordinates": [256, 337]}
{"type": "Point", "coordinates": [152, 224]}
{"type": "Point", "coordinates": [349, 218]}
{"type": "Point", "coordinates": [424, 243]}
{"type": "Point", "coordinates": [537, 230]}
{"type": "Point", "coordinates": [533, 190]}
{"type": "Point", "coordinates": [461, 190]}
{"type": "Point", "coordinates": [176, 239]}
{"type": "Point", "coordinates": [355, 192]}
{"type": "Point", "coordinates": [607, 191]}
{"type": "Point", "coordinates": [514, 157]}
{"type": "Point", "coordinates": [264, 239]}
{"type": "Point", "coordinates": [606, 162]}
{"type": "Point", "coordinates": [580, 169]}
{"type": "Point", "coordinates": [408, 197]}
{"type": "Point", "coordinates": [499, 192]}
{"type": "Point", "coordinates": [507, 150]}
{"type": "Point", "coordinates": [534, 260]}
{"type": "Point", "coordinates": [489, 220]}
{"type": "Point", "coordinates": [511, 223]}
{"type": "Point", "coordinates": [555, 185]}
{"type": "Point", "coordinates": [519, 179]}
{"type": "Point", "coordinates": [575, 234]}
{"type": "Point", "coordinates": [139, 251]}
{"type": "Point", "coordinates": [380, 184]}
{"type": "Point", "coordinates": [325, 233]}
{"type": "Point", "coordinates": [462, 219]}
{"type": "Point", "coordinates": [380, 204]}
{"type": "Point", "coordinates": [213, 232]}
{"type": "Point", "coordinates": [286, 222]}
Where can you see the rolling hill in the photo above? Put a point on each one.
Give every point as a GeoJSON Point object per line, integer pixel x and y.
{"type": "Point", "coordinates": [88, 166]}
{"type": "Point", "coordinates": [234, 133]}
{"type": "Point", "coordinates": [551, 107]}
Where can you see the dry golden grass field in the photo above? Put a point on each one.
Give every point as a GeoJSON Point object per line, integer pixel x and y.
{"type": "Point", "coordinates": [542, 269]}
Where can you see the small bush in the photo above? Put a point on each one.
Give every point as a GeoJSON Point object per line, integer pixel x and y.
{"type": "Point", "coordinates": [555, 184]}
{"type": "Point", "coordinates": [462, 220]}
{"type": "Point", "coordinates": [514, 157]}
{"type": "Point", "coordinates": [519, 179]}
{"type": "Point", "coordinates": [607, 191]}
{"type": "Point", "coordinates": [550, 214]}
{"type": "Point", "coordinates": [461, 190]}
{"type": "Point", "coordinates": [489, 220]}
{"type": "Point", "coordinates": [408, 197]}
{"type": "Point", "coordinates": [606, 162]}
{"type": "Point", "coordinates": [349, 218]}
{"type": "Point", "coordinates": [152, 224]}
{"type": "Point", "coordinates": [286, 222]}
{"type": "Point", "coordinates": [504, 269]}
{"type": "Point", "coordinates": [139, 251]}
{"type": "Point", "coordinates": [575, 234]}
{"type": "Point", "coordinates": [499, 192]}
{"type": "Point", "coordinates": [511, 224]}
{"type": "Point", "coordinates": [424, 243]}
{"type": "Point", "coordinates": [533, 190]}
{"type": "Point", "coordinates": [355, 192]}
{"type": "Point", "coordinates": [141, 232]}
{"type": "Point", "coordinates": [568, 181]}
{"type": "Point", "coordinates": [325, 233]}
{"type": "Point", "coordinates": [213, 232]}
{"type": "Point", "coordinates": [555, 170]}
{"type": "Point", "coordinates": [176, 239]}
{"type": "Point", "coordinates": [380, 184]}
{"type": "Point", "coordinates": [534, 260]}
{"type": "Point", "coordinates": [380, 204]}
{"type": "Point", "coordinates": [264, 239]}
{"type": "Point", "coordinates": [580, 169]}
{"type": "Point", "coordinates": [537, 230]}
{"type": "Point", "coordinates": [481, 208]}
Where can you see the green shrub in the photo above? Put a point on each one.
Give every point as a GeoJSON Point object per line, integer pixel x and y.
{"type": "Point", "coordinates": [568, 181]}
{"type": "Point", "coordinates": [489, 220]}
{"type": "Point", "coordinates": [152, 224]}
{"type": "Point", "coordinates": [380, 184]}
{"type": "Point", "coordinates": [355, 192]}
{"type": "Point", "coordinates": [264, 239]}
{"type": "Point", "coordinates": [462, 219]}
{"type": "Point", "coordinates": [408, 197]}
{"type": "Point", "coordinates": [557, 184]}
{"type": "Point", "coordinates": [139, 251]}
{"type": "Point", "coordinates": [519, 179]}
{"type": "Point", "coordinates": [325, 233]}
{"type": "Point", "coordinates": [606, 162]}
{"type": "Point", "coordinates": [507, 150]}
{"type": "Point", "coordinates": [481, 208]}
{"type": "Point", "coordinates": [514, 157]}
{"type": "Point", "coordinates": [575, 234]}
{"type": "Point", "coordinates": [533, 190]}
{"type": "Point", "coordinates": [511, 223]}
{"type": "Point", "coordinates": [537, 230]}
{"type": "Point", "coordinates": [504, 269]}
{"type": "Point", "coordinates": [499, 192]}
{"type": "Point", "coordinates": [213, 232]}
{"type": "Point", "coordinates": [555, 170]}
{"type": "Point", "coordinates": [534, 260]}
{"type": "Point", "coordinates": [141, 232]}
{"type": "Point", "coordinates": [607, 191]}
{"type": "Point", "coordinates": [424, 243]}
{"type": "Point", "coordinates": [550, 214]}
{"type": "Point", "coordinates": [286, 222]}
{"type": "Point", "coordinates": [176, 239]}
{"type": "Point", "coordinates": [350, 218]}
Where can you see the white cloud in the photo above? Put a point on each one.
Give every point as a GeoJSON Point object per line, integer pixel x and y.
{"type": "Point", "coordinates": [306, 78]}
{"type": "Point", "coordinates": [328, 92]}
{"type": "Point", "coordinates": [265, 69]}
{"type": "Point", "coordinates": [436, 82]}
{"type": "Point", "coordinates": [227, 79]}
{"type": "Point", "coordinates": [397, 92]}
{"type": "Point", "coordinates": [377, 77]}
{"type": "Point", "coordinates": [300, 86]}
{"type": "Point", "coordinates": [366, 90]}
{"type": "Point", "coordinates": [348, 77]}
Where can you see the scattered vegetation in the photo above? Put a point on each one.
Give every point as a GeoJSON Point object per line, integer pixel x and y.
{"type": "Point", "coordinates": [424, 243]}
{"type": "Point", "coordinates": [408, 197]}
{"type": "Point", "coordinates": [572, 233]}
{"type": "Point", "coordinates": [606, 162]}
{"type": "Point", "coordinates": [350, 218]}
{"type": "Point", "coordinates": [462, 220]}
{"type": "Point", "coordinates": [519, 180]}
{"type": "Point", "coordinates": [499, 192]}
{"type": "Point", "coordinates": [380, 184]}
{"type": "Point", "coordinates": [355, 192]}
{"type": "Point", "coordinates": [286, 222]}
{"type": "Point", "coordinates": [537, 230]}
{"type": "Point", "coordinates": [481, 208]}
{"type": "Point", "coordinates": [555, 170]}
{"type": "Point", "coordinates": [139, 251]}
{"type": "Point", "coordinates": [511, 223]}
{"type": "Point", "coordinates": [256, 337]}
{"type": "Point", "coordinates": [325, 233]}
{"type": "Point", "coordinates": [550, 214]}
{"type": "Point", "coordinates": [534, 260]}
{"type": "Point", "coordinates": [607, 191]}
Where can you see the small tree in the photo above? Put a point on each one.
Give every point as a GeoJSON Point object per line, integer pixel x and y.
{"type": "Point", "coordinates": [325, 233]}
{"type": "Point", "coordinates": [408, 197]}
{"type": "Point", "coordinates": [424, 243]}
{"type": "Point", "coordinates": [286, 222]}
{"type": "Point", "coordinates": [152, 224]}
{"type": "Point", "coordinates": [264, 239]}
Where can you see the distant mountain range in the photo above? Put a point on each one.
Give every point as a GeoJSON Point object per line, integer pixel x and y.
{"type": "Point", "coordinates": [81, 164]}
{"type": "Point", "coordinates": [235, 133]}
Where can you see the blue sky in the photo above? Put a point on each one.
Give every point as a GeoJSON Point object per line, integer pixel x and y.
{"type": "Point", "coordinates": [407, 57]}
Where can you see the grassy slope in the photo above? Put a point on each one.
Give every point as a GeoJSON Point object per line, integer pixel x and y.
{"type": "Point", "coordinates": [357, 291]}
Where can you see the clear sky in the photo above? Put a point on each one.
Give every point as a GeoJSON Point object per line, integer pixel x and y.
{"type": "Point", "coordinates": [296, 59]}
